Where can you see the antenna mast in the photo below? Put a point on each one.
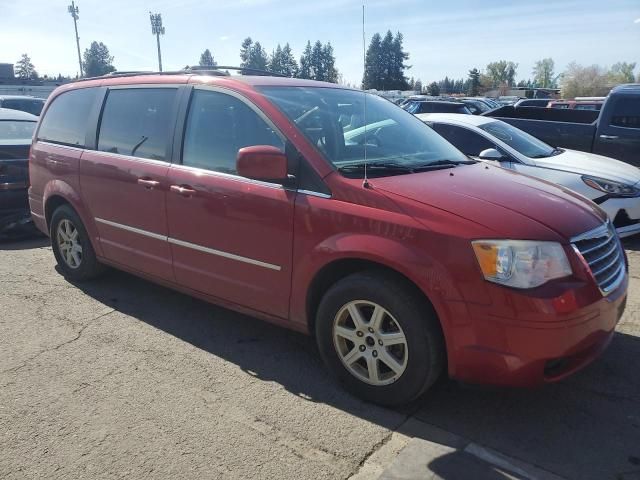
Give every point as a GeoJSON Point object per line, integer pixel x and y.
{"type": "Point", "coordinates": [365, 182]}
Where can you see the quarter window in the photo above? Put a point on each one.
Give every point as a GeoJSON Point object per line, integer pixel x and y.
{"type": "Point", "coordinates": [136, 122]}
{"type": "Point", "coordinates": [218, 125]}
{"type": "Point", "coordinates": [65, 121]}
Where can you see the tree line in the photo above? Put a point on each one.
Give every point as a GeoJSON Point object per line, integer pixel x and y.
{"type": "Point", "coordinates": [386, 67]}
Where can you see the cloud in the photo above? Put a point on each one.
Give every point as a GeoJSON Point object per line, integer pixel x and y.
{"type": "Point", "coordinates": [224, 38]}
{"type": "Point", "coordinates": [637, 20]}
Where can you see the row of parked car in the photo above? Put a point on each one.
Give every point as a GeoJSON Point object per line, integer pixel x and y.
{"type": "Point", "coordinates": [333, 212]}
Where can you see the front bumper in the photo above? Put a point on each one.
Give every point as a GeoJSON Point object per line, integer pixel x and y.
{"type": "Point", "coordinates": [525, 353]}
{"type": "Point", "coordinates": [624, 213]}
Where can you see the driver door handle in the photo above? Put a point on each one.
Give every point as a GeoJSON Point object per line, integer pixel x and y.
{"type": "Point", "coordinates": [609, 137]}
{"type": "Point", "coordinates": [184, 190]}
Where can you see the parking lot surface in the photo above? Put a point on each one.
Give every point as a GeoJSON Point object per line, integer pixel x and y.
{"type": "Point", "coordinates": [122, 378]}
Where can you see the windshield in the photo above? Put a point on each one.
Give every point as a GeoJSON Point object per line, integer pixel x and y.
{"type": "Point", "coordinates": [333, 120]}
{"type": "Point", "coordinates": [520, 141]}
{"type": "Point", "coordinates": [13, 131]}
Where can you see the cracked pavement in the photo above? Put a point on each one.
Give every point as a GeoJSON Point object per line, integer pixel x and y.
{"type": "Point", "coordinates": [123, 378]}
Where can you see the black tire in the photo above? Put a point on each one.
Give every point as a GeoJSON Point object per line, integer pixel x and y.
{"type": "Point", "coordinates": [416, 318]}
{"type": "Point", "coordinates": [88, 267]}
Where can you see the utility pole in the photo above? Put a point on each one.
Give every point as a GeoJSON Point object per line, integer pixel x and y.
{"type": "Point", "coordinates": [157, 29]}
{"type": "Point", "coordinates": [73, 10]}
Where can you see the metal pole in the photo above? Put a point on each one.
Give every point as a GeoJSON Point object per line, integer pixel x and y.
{"type": "Point", "coordinates": [73, 10]}
{"type": "Point", "coordinates": [159, 54]}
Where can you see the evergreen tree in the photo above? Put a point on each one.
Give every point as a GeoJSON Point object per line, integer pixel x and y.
{"type": "Point", "coordinates": [275, 60]}
{"type": "Point", "coordinates": [433, 89]}
{"type": "Point", "coordinates": [373, 64]}
{"type": "Point", "coordinates": [418, 86]}
{"type": "Point", "coordinates": [329, 64]}
{"type": "Point", "coordinates": [245, 51]}
{"type": "Point", "coordinates": [317, 62]}
{"type": "Point", "coordinates": [305, 62]}
{"type": "Point", "coordinates": [97, 60]}
{"type": "Point", "coordinates": [399, 56]}
{"type": "Point", "coordinates": [289, 64]}
{"type": "Point", "coordinates": [253, 55]}
{"type": "Point", "coordinates": [412, 84]}
{"type": "Point", "coordinates": [24, 69]}
{"type": "Point", "coordinates": [474, 82]}
{"type": "Point", "coordinates": [206, 59]}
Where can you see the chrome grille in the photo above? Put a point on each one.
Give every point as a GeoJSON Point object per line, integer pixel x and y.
{"type": "Point", "coordinates": [602, 251]}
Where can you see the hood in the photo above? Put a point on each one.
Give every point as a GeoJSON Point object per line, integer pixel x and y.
{"type": "Point", "coordinates": [508, 203]}
{"type": "Point", "coordinates": [591, 164]}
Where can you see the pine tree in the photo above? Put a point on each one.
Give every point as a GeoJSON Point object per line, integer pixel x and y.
{"type": "Point", "coordinates": [373, 64]}
{"type": "Point", "coordinates": [289, 64]}
{"type": "Point", "coordinates": [398, 56]}
{"type": "Point", "coordinates": [206, 59]}
{"type": "Point", "coordinates": [418, 86]}
{"type": "Point", "coordinates": [24, 68]}
{"type": "Point", "coordinates": [245, 52]}
{"type": "Point", "coordinates": [305, 62]}
{"type": "Point", "coordinates": [474, 82]}
{"type": "Point", "coordinates": [97, 60]}
{"type": "Point", "coordinates": [275, 61]}
{"type": "Point", "coordinates": [329, 64]}
{"type": "Point", "coordinates": [317, 62]}
{"type": "Point", "coordinates": [433, 89]}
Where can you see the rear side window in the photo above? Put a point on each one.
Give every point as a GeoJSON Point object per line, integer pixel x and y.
{"type": "Point", "coordinates": [65, 121]}
{"type": "Point", "coordinates": [33, 107]}
{"type": "Point", "coordinates": [626, 113]}
{"type": "Point", "coordinates": [218, 126]}
{"type": "Point", "coordinates": [136, 122]}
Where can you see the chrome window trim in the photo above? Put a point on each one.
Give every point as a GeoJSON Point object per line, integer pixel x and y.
{"type": "Point", "coordinates": [230, 176]}
{"type": "Point", "coordinates": [193, 246]}
{"type": "Point", "coordinates": [123, 156]}
{"type": "Point", "coordinates": [314, 194]}
{"type": "Point", "coordinates": [61, 145]}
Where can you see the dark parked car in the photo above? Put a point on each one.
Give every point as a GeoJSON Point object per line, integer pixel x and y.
{"type": "Point", "coordinates": [613, 131]}
{"type": "Point", "coordinates": [23, 103]}
{"type": "Point", "coordinates": [476, 107]}
{"type": "Point", "coordinates": [533, 102]}
{"type": "Point", "coordinates": [16, 130]}
{"type": "Point", "coordinates": [436, 106]}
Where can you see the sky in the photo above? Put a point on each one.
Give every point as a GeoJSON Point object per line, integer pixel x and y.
{"type": "Point", "coordinates": [442, 38]}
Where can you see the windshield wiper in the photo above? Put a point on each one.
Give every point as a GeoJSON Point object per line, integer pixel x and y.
{"type": "Point", "coordinates": [441, 164]}
{"type": "Point", "coordinates": [379, 166]}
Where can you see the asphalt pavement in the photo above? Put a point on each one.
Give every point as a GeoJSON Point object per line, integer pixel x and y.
{"type": "Point", "coordinates": [119, 377]}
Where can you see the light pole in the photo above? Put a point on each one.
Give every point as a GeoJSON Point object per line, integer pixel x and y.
{"type": "Point", "coordinates": [157, 29]}
{"type": "Point", "coordinates": [73, 10]}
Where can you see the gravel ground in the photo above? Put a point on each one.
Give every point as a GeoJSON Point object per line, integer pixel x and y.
{"type": "Point", "coordinates": [123, 378]}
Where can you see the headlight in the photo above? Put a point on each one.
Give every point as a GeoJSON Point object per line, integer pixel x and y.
{"type": "Point", "coordinates": [521, 263]}
{"type": "Point", "coordinates": [611, 187]}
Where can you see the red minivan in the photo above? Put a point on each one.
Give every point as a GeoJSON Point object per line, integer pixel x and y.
{"type": "Point", "coordinates": [332, 212]}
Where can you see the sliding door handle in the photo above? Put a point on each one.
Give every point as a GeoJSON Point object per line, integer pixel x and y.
{"type": "Point", "coordinates": [148, 183]}
{"type": "Point", "coordinates": [184, 190]}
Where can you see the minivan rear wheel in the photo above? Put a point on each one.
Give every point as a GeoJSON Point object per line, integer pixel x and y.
{"type": "Point", "coordinates": [379, 338]}
{"type": "Point", "coordinates": [72, 247]}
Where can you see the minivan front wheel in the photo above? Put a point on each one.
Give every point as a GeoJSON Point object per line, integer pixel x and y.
{"type": "Point", "coordinates": [379, 338]}
{"type": "Point", "coordinates": [71, 246]}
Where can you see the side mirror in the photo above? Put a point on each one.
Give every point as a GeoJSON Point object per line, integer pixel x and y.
{"type": "Point", "coordinates": [262, 162]}
{"type": "Point", "coordinates": [490, 154]}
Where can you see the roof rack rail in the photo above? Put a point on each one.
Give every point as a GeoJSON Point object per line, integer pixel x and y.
{"type": "Point", "coordinates": [218, 70]}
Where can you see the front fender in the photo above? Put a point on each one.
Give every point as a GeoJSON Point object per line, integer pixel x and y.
{"type": "Point", "coordinates": [423, 270]}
